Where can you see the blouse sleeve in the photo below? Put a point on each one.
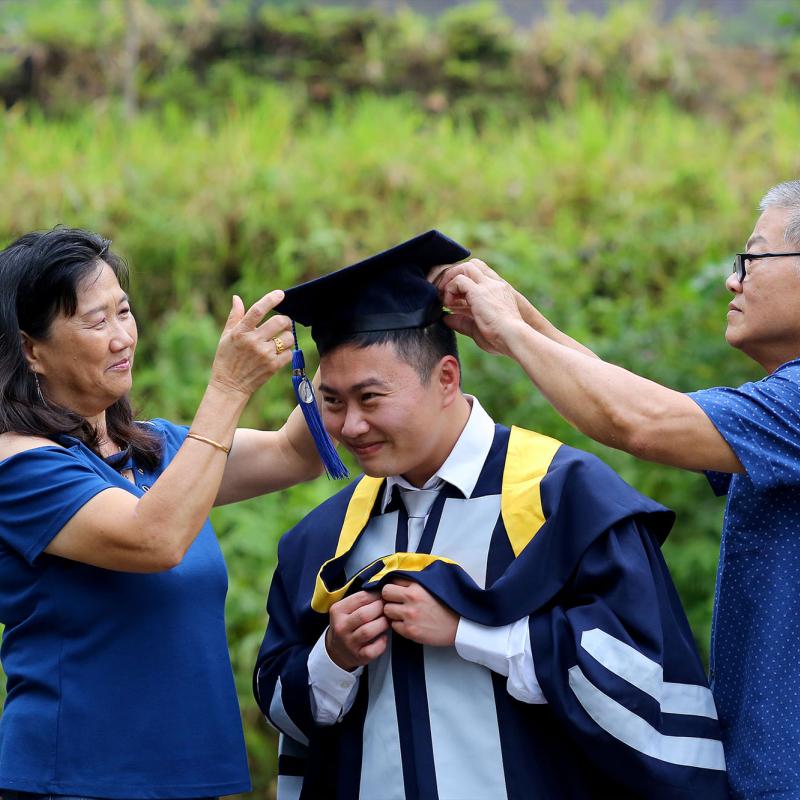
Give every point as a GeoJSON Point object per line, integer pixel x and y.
{"type": "Point", "coordinates": [173, 435]}
{"type": "Point", "coordinates": [761, 423]}
{"type": "Point", "coordinates": [40, 491]}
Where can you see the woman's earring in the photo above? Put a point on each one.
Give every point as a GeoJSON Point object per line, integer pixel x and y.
{"type": "Point", "coordinates": [38, 387]}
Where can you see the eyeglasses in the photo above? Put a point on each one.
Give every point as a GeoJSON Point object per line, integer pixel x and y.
{"type": "Point", "coordinates": [740, 258]}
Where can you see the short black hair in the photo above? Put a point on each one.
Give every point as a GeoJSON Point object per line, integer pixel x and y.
{"type": "Point", "coordinates": [420, 348]}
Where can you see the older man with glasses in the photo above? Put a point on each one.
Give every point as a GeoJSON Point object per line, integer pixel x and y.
{"type": "Point", "coordinates": [746, 439]}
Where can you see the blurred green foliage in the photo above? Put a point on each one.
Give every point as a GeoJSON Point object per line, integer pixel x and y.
{"type": "Point", "coordinates": [200, 54]}
{"type": "Point", "coordinates": [608, 168]}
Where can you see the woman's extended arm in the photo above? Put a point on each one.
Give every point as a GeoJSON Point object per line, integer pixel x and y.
{"type": "Point", "coordinates": [264, 461]}
{"type": "Point", "coordinates": [116, 530]}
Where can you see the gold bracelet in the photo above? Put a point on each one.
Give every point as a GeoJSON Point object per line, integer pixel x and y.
{"type": "Point", "coordinates": [200, 438]}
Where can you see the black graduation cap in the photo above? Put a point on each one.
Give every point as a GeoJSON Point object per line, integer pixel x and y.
{"type": "Point", "coordinates": [385, 292]}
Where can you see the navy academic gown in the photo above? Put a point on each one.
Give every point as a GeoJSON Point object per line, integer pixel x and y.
{"type": "Point", "coordinates": [551, 533]}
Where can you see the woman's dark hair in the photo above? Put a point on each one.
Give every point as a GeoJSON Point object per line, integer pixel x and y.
{"type": "Point", "coordinates": [39, 278]}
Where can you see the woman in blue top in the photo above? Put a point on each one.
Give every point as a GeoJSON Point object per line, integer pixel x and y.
{"type": "Point", "coordinates": [112, 584]}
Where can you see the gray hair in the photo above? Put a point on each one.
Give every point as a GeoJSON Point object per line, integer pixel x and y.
{"type": "Point", "coordinates": [785, 195]}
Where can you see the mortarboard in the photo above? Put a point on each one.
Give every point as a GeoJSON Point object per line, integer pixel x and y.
{"type": "Point", "coordinates": [385, 292]}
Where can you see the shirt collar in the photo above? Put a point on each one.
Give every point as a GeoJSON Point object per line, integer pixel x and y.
{"type": "Point", "coordinates": [463, 466]}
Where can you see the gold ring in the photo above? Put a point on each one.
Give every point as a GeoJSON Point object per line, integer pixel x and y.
{"type": "Point", "coordinates": [279, 345]}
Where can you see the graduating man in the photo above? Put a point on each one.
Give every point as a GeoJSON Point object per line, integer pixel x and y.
{"type": "Point", "coordinates": [485, 613]}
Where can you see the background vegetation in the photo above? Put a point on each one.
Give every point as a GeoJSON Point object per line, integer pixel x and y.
{"type": "Point", "coordinates": [608, 167]}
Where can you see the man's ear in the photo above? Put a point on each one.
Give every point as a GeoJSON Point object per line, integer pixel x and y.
{"type": "Point", "coordinates": [448, 376]}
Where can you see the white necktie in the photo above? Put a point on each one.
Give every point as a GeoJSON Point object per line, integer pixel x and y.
{"type": "Point", "coordinates": [418, 503]}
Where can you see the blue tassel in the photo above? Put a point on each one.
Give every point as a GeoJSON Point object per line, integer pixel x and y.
{"type": "Point", "coordinates": [304, 392]}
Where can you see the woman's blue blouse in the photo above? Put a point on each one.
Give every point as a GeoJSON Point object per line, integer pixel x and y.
{"type": "Point", "coordinates": [119, 684]}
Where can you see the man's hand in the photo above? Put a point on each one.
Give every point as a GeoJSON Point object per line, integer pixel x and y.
{"type": "Point", "coordinates": [483, 305]}
{"type": "Point", "coordinates": [357, 633]}
{"type": "Point", "coordinates": [417, 615]}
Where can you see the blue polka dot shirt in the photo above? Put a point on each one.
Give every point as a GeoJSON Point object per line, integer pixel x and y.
{"type": "Point", "coordinates": [755, 669]}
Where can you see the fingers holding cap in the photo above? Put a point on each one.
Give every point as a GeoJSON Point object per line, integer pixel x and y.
{"type": "Point", "coordinates": [236, 313]}
{"type": "Point", "coordinates": [276, 326]}
{"type": "Point", "coordinates": [261, 308]}
{"type": "Point", "coordinates": [475, 269]}
{"type": "Point", "coordinates": [457, 289]}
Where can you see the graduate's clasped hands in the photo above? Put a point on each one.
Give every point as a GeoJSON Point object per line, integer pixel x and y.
{"type": "Point", "coordinates": [359, 624]}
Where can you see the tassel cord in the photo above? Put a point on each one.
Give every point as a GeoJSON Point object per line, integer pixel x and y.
{"type": "Point", "coordinates": [306, 399]}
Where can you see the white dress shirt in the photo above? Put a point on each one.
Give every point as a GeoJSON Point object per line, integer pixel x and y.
{"type": "Point", "coordinates": [505, 649]}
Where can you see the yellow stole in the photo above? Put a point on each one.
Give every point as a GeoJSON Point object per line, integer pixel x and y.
{"type": "Point", "coordinates": [528, 459]}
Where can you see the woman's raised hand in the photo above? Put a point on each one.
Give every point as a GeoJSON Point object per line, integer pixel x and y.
{"type": "Point", "coordinates": [249, 353]}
